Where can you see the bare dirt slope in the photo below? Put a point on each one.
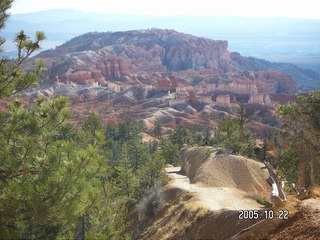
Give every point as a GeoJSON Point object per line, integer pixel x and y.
{"type": "Point", "coordinates": [183, 217]}
{"type": "Point", "coordinates": [205, 208]}
{"type": "Point", "coordinates": [214, 168]}
{"type": "Point", "coordinates": [305, 224]}
{"type": "Point", "coordinates": [213, 198]}
{"type": "Point", "coordinates": [198, 210]}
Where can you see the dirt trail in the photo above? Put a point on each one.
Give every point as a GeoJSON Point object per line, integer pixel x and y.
{"type": "Point", "coordinates": [213, 198]}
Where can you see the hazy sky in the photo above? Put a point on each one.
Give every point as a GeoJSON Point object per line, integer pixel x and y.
{"type": "Point", "coordinates": [247, 8]}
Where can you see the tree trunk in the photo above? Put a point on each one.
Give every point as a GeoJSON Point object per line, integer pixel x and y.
{"type": "Point", "coordinates": [80, 231]}
{"type": "Point", "coordinates": [302, 175]}
{"type": "Point", "coordinates": [274, 176]}
{"type": "Point", "coordinates": [313, 176]}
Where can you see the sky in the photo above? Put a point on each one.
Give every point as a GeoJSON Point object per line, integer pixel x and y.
{"type": "Point", "coordinates": [245, 8]}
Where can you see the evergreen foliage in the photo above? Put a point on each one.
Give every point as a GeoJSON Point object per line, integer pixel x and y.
{"type": "Point", "coordinates": [136, 167]}
{"type": "Point", "coordinates": [181, 135]}
{"type": "Point", "coordinates": [12, 80]}
{"type": "Point", "coordinates": [58, 182]}
{"type": "Point", "coordinates": [157, 130]}
{"type": "Point", "coordinates": [49, 178]}
{"type": "Point", "coordinates": [171, 152]}
{"type": "Point", "coordinates": [234, 136]}
{"type": "Point", "coordinates": [289, 165]}
{"type": "Point", "coordinates": [301, 130]}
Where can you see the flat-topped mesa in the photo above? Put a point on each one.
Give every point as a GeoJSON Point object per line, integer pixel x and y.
{"type": "Point", "coordinates": [174, 102]}
{"type": "Point", "coordinates": [205, 99]}
{"type": "Point", "coordinates": [265, 81]}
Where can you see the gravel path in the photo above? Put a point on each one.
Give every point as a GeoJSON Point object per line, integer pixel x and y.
{"type": "Point", "coordinates": [213, 198]}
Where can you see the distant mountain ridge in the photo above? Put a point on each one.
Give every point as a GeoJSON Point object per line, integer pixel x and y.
{"type": "Point", "coordinates": [306, 79]}
{"type": "Point", "coordinates": [276, 39]}
{"type": "Point", "coordinates": [162, 50]}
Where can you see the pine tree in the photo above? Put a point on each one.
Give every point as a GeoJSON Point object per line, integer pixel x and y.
{"type": "Point", "coordinates": [47, 182]}
{"type": "Point", "coordinates": [181, 135]}
{"type": "Point", "coordinates": [301, 129]}
{"type": "Point", "coordinates": [12, 80]}
{"type": "Point", "coordinates": [137, 153]}
{"type": "Point", "coordinates": [93, 126]}
{"type": "Point", "coordinates": [152, 172]}
{"type": "Point", "coordinates": [236, 138]}
{"type": "Point", "coordinates": [157, 130]}
{"type": "Point", "coordinates": [51, 175]}
{"type": "Point", "coordinates": [127, 182]}
{"type": "Point", "coordinates": [171, 153]}
{"type": "Point", "coordinates": [129, 129]}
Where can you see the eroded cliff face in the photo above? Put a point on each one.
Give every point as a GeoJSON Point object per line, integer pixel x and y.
{"type": "Point", "coordinates": [83, 77]}
{"type": "Point", "coordinates": [133, 57]}
{"type": "Point", "coordinates": [197, 54]}
{"type": "Point", "coordinates": [113, 68]}
{"type": "Point", "coordinates": [260, 99]}
{"type": "Point", "coordinates": [275, 82]}
{"type": "Point", "coordinates": [144, 51]}
{"type": "Point", "coordinates": [155, 75]}
{"type": "Point", "coordinates": [223, 100]}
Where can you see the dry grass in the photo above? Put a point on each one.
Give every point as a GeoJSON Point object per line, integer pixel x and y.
{"type": "Point", "coordinates": [315, 192]}
{"type": "Point", "coordinates": [175, 218]}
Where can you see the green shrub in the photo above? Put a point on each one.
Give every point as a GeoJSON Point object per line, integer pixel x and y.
{"type": "Point", "coordinates": [263, 201]}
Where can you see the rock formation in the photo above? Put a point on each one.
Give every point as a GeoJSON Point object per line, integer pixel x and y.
{"type": "Point", "coordinates": [206, 111]}
{"type": "Point", "coordinates": [147, 73]}
{"type": "Point", "coordinates": [113, 68]}
{"type": "Point", "coordinates": [260, 99]}
{"type": "Point", "coordinates": [275, 82]}
{"type": "Point", "coordinates": [189, 109]}
{"type": "Point", "coordinates": [93, 78]}
{"type": "Point", "coordinates": [167, 84]}
{"type": "Point", "coordinates": [241, 88]}
{"type": "Point", "coordinates": [223, 100]}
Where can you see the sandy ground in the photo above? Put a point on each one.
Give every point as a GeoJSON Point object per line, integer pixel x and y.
{"type": "Point", "coordinates": [313, 204]}
{"type": "Point", "coordinates": [304, 225]}
{"type": "Point", "coordinates": [213, 198]}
